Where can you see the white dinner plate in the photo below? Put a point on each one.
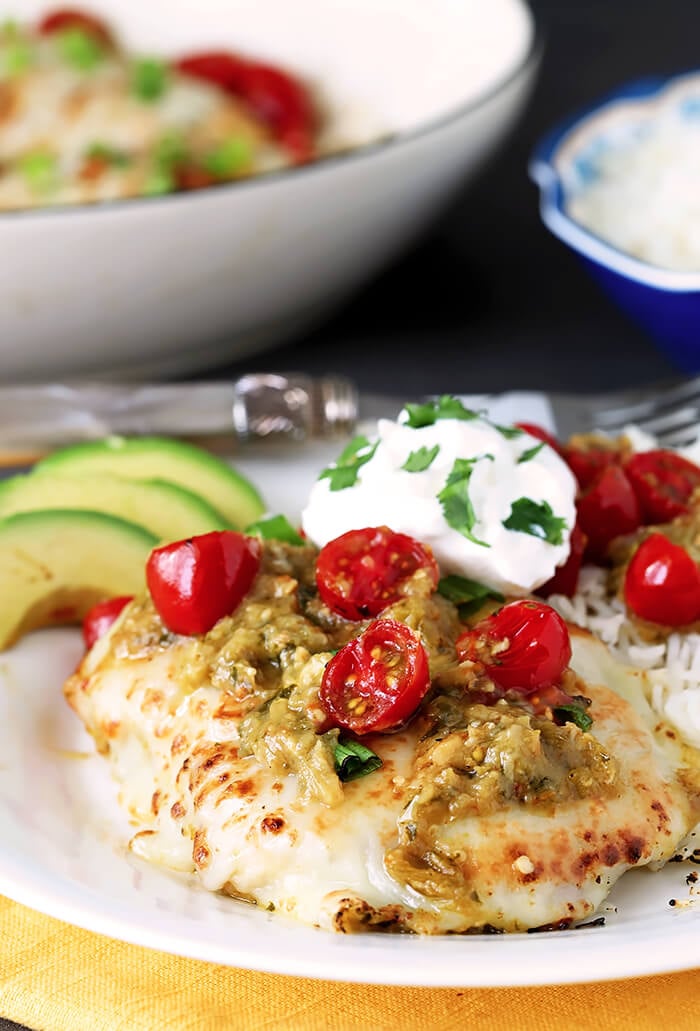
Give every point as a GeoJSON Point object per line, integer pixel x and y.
{"type": "Point", "coordinates": [63, 851]}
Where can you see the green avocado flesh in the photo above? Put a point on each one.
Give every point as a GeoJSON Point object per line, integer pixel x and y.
{"type": "Point", "coordinates": [55, 565]}
{"type": "Point", "coordinates": [160, 458]}
{"type": "Point", "coordinates": [165, 509]}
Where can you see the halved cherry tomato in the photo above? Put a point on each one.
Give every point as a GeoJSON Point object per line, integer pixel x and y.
{"type": "Point", "coordinates": [663, 482]}
{"type": "Point", "coordinates": [523, 647]}
{"type": "Point", "coordinates": [276, 97]}
{"type": "Point", "coordinates": [587, 463]}
{"type": "Point", "coordinates": [607, 509]}
{"type": "Point", "coordinates": [662, 583]}
{"type": "Point", "coordinates": [362, 572]}
{"type": "Point", "coordinates": [195, 582]}
{"type": "Point", "coordinates": [72, 18]}
{"type": "Point", "coordinates": [540, 433]}
{"type": "Point", "coordinates": [377, 680]}
{"type": "Point", "coordinates": [565, 579]}
{"type": "Point", "coordinates": [101, 617]}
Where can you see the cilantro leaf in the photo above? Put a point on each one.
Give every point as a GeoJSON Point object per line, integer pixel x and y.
{"type": "Point", "coordinates": [456, 503]}
{"type": "Point", "coordinates": [149, 79]}
{"type": "Point", "coordinates": [421, 459]}
{"type": "Point", "coordinates": [468, 595]}
{"type": "Point", "coordinates": [573, 714]}
{"type": "Point", "coordinates": [446, 407]}
{"type": "Point", "coordinates": [228, 158]}
{"type": "Point", "coordinates": [110, 155]}
{"type": "Point", "coordinates": [530, 453]}
{"type": "Point", "coordinates": [80, 49]}
{"type": "Point", "coordinates": [509, 432]}
{"type": "Point", "coordinates": [275, 528]}
{"type": "Point", "coordinates": [346, 469]}
{"type": "Point", "coordinates": [537, 519]}
{"type": "Point", "coordinates": [353, 760]}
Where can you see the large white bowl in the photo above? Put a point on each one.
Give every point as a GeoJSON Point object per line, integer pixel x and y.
{"type": "Point", "coordinates": [168, 285]}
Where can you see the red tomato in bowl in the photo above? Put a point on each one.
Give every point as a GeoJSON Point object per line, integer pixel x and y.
{"type": "Point", "coordinates": [72, 18]}
{"type": "Point", "coordinates": [662, 583]}
{"type": "Point", "coordinates": [565, 579]}
{"type": "Point", "coordinates": [362, 572]}
{"type": "Point", "coordinates": [377, 681]}
{"type": "Point", "coordinates": [540, 433]}
{"type": "Point", "coordinates": [524, 647]}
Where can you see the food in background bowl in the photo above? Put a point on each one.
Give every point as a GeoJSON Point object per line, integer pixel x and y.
{"type": "Point", "coordinates": [618, 186]}
{"type": "Point", "coordinates": [83, 120]}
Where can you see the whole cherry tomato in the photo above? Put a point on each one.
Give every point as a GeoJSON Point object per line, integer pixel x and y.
{"type": "Point", "coordinates": [663, 482]}
{"type": "Point", "coordinates": [72, 18]}
{"type": "Point", "coordinates": [524, 647]}
{"type": "Point", "coordinates": [662, 583]}
{"type": "Point", "coordinates": [195, 582]}
{"type": "Point", "coordinates": [587, 463]}
{"type": "Point", "coordinates": [101, 617]}
{"type": "Point", "coordinates": [565, 579]}
{"type": "Point", "coordinates": [362, 572]}
{"type": "Point", "coordinates": [377, 680]}
{"type": "Point", "coordinates": [276, 97]}
{"type": "Point", "coordinates": [540, 433]}
{"type": "Point", "coordinates": [607, 509]}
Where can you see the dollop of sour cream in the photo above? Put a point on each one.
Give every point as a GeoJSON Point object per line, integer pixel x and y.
{"type": "Point", "coordinates": [495, 504]}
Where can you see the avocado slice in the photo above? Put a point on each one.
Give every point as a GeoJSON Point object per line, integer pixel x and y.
{"type": "Point", "coordinates": [165, 509]}
{"type": "Point", "coordinates": [162, 458]}
{"type": "Point", "coordinates": [56, 564]}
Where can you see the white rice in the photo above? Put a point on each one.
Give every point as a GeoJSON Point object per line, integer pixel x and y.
{"type": "Point", "coordinates": [673, 666]}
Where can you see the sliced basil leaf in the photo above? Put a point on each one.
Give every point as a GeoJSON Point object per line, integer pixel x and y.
{"type": "Point", "coordinates": [573, 714]}
{"type": "Point", "coordinates": [353, 760]}
{"type": "Point", "coordinates": [275, 528]}
{"type": "Point", "coordinates": [537, 519]}
{"type": "Point", "coordinates": [420, 460]}
{"type": "Point", "coordinates": [80, 49]}
{"type": "Point", "coordinates": [446, 407]}
{"type": "Point", "coordinates": [345, 471]}
{"type": "Point", "coordinates": [149, 79]}
{"type": "Point", "coordinates": [456, 503]}
{"type": "Point", "coordinates": [526, 456]}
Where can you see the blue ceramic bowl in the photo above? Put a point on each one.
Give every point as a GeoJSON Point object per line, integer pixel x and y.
{"type": "Point", "coordinates": [665, 302]}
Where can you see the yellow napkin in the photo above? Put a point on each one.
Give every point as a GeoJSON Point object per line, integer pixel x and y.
{"type": "Point", "coordinates": [54, 977]}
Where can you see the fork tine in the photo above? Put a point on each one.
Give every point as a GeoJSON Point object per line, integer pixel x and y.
{"type": "Point", "coordinates": [679, 437]}
{"type": "Point", "coordinates": [647, 412]}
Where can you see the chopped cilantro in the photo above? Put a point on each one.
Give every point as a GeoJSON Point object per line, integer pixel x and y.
{"type": "Point", "coordinates": [537, 519]}
{"type": "Point", "coordinates": [39, 170]}
{"type": "Point", "coordinates": [170, 150]}
{"type": "Point", "coordinates": [456, 503]}
{"type": "Point", "coordinates": [420, 460]}
{"type": "Point", "coordinates": [275, 528]}
{"type": "Point", "coordinates": [228, 158]}
{"type": "Point", "coordinates": [509, 432]}
{"type": "Point", "coordinates": [110, 155]}
{"type": "Point", "coordinates": [159, 182]}
{"type": "Point", "coordinates": [526, 456]}
{"type": "Point", "coordinates": [353, 760]}
{"type": "Point", "coordinates": [446, 407]}
{"type": "Point", "coordinates": [80, 49]}
{"type": "Point", "coordinates": [468, 595]}
{"type": "Point", "coordinates": [149, 79]}
{"type": "Point", "coordinates": [345, 471]}
{"type": "Point", "coordinates": [573, 714]}
{"type": "Point", "coordinates": [16, 57]}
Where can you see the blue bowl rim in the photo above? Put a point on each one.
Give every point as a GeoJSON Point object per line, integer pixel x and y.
{"type": "Point", "coordinates": [543, 172]}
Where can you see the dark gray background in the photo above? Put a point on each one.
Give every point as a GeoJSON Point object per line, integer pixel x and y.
{"type": "Point", "coordinates": [488, 300]}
